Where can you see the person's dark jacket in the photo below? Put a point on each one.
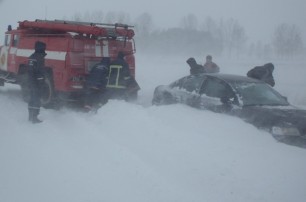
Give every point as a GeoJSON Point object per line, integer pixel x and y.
{"type": "Point", "coordinates": [36, 80]}
{"type": "Point", "coordinates": [36, 76]}
{"type": "Point", "coordinates": [119, 73]}
{"type": "Point", "coordinates": [194, 67]}
{"type": "Point", "coordinates": [264, 73]}
{"type": "Point", "coordinates": [211, 67]}
{"type": "Point", "coordinates": [98, 75]}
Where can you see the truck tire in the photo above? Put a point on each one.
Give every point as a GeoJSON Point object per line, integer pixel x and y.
{"type": "Point", "coordinates": [48, 99]}
{"type": "Point", "coordinates": [47, 93]}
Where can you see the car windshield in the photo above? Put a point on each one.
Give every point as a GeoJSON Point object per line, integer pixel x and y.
{"type": "Point", "coordinates": [259, 94]}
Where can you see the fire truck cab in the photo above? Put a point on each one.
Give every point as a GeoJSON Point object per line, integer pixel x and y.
{"type": "Point", "coordinates": [72, 50]}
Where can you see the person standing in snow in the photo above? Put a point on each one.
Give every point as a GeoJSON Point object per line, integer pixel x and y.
{"type": "Point", "coordinates": [210, 66]}
{"type": "Point", "coordinates": [36, 79]}
{"type": "Point", "coordinates": [264, 73]}
{"type": "Point", "coordinates": [195, 68]}
{"type": "Point", "coordinates": [121, 84]}
{"type": "Point", "coordinates": [96, 84]}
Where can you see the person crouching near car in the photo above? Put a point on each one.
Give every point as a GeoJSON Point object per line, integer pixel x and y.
{"type": "Point", "coordinates": [95, 85]}
{"type": "Point", "coordinates": [36, 79]}
{"type": "Point", "coordinates": [195, 68]}
{"type": "Point", "coordinates": [264, 73]}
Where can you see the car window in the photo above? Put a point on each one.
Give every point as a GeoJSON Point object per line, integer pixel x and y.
{"type": "Point", "coordinates": [193, 83]}
{"type": "Point", "coordinates": [178, 84]}
{"type": "Point", "coordinates": [216, 88]}
{"type": "Point", "coordinates": [259, 94]}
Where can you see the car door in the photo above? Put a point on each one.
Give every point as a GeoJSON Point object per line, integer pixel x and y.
{"type": "Point", "coordinates": [189, 90]}
{"type": "Point", "coordinates": [217, 95]}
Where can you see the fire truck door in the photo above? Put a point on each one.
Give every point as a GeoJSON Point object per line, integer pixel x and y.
{"type": "Point", "coordinates": [4, 52]}
{"type": "Point", "coordinates": [11, 61]}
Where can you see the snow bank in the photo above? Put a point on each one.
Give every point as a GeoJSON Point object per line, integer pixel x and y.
{"type": "Point", "coordinates": [138, 152]}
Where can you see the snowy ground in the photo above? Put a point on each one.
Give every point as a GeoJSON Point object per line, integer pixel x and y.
{"type": "Point", "coordinates": [137, 152]}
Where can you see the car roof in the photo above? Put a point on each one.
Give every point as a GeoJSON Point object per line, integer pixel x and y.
{"type": "Point", "coordinates": [231, 78]}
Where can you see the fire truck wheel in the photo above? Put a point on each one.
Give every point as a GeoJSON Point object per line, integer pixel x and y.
{"type": "Point", "coordinates": [47, 97]}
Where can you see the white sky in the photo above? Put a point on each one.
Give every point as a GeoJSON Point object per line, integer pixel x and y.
{"type": "Point", "coordinates": [259, 17]}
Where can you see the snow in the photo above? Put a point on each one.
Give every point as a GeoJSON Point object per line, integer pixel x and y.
{"type": "Point", "coordinates": [138, 152]}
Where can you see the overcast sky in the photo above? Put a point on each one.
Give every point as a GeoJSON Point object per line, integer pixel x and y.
{"type": "Point", "coordinates": [259, 17]}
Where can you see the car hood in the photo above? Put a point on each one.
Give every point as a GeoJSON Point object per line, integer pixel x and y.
{"type": "Point", "coordinates": [268, 116]}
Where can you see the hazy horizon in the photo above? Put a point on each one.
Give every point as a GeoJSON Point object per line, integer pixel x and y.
{"type": "Point", "coordinates": [259, 18]}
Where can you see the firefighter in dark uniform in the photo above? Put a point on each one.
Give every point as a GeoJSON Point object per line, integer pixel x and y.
{"type": "Point", "coordinates": [195, 68]}
{"type": "Point", "coordinates": [264, 73]}
{"type": "Point", "coordinates": [96, 85]}
{"type": "Point", "coordinates": [119, 79]}
{"type": "Point", "coordinates": [36, 64]}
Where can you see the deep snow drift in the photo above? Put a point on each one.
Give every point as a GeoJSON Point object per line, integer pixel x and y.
{"type": "Point", "coordinates": [138, 152]}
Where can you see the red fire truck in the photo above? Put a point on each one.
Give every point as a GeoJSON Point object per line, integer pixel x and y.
{"type": "Point", "coordinates": [72, 49]}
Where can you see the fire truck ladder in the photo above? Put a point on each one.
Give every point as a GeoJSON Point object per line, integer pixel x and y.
{"type": "Point", "coordinates": [92, 23]}
{"type": "Point", "coordinates": [96, 29]}
{"type": "Point", "coordinates": [111, 28]}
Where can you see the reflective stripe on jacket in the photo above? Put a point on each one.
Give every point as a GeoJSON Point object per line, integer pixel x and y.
{"type": "Point", "coordinates": [115, 78]}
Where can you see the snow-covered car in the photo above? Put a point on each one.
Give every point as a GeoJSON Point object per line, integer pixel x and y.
{"type": "Point", "coordinates": [252, 100]}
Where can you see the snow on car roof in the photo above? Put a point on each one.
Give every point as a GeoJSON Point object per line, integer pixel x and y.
{"type": "Point", "coordinates": [230, 78]}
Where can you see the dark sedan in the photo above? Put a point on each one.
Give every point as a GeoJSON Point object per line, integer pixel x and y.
{"type": "Point", "coordinates": [252, 100]}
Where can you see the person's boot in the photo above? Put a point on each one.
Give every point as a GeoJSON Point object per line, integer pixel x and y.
{"type": "Point", "coordinates": [36, 120]}
{"type": "Point", "coordinates": [34, 117]}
